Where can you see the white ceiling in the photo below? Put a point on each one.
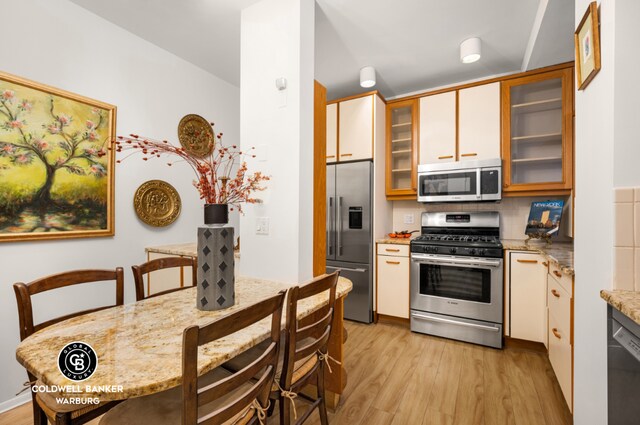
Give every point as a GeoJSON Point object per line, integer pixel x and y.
{"type": "Point", "coordinates": [413, 44]}
{"type": "Point", "coordinates": [203, 32]}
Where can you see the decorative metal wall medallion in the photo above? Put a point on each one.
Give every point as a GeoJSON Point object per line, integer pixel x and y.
{"type": "Point", "coordinates": [157, 203]}
{"type": "Point", "coordinates": [196, 135]}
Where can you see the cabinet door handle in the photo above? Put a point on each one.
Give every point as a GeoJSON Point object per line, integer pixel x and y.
{"type": "Point", "coordinates": [527, 261]}
{"type": "Point", "coordinates": [555, 333]}
{"type": "Point", "coordinates": [392, 249]}
{"type": "Point", "coordinates": [544, 263]}
{"type": "Point", "coordinates": [557, 273]}
{"type": "Point", "coordinates": [393, 262]}
{"type": "Point", "coordinates": [346, 154]}
{"type": "Point", "coordinates": [555, 293]}
{"type": "Point", "coordinates": [469, 154]}
{"type": "Point", "coordinates": [331, 156]}
{"type": "Point", "coordinates": [445, 157]}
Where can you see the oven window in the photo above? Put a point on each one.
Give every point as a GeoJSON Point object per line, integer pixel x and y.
{"type": "Point", "coordinates": [449, 184]}
{"type": "Point", "coordinates": [457, 282]}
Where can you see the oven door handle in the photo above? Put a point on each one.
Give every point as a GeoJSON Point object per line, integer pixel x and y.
{"type": "Point", "coordinates": [455, 322]}
{"type": "Point", "coordinates": [456, 262]}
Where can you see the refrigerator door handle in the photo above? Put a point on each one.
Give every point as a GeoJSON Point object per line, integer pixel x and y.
{"type": "Point", "coordinates": [347, 269]}
{"type": "Point", "coordinates": [330, 235]}
{"type": "Point", "coordinates": [339, 217]}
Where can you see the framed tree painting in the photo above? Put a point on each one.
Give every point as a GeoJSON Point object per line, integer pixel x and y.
{"type": "Point", "coordinates": [56, 163]}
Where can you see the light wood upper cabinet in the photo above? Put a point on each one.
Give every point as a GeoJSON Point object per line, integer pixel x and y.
{"type": "Point", "coordinates": [438, 128]}
{"type": "Point", "coordinates": [332, 132]}
{"type": "Point", "coordinates": [355, 129]}
{"type": "Point", "coordinates": [479, 122]}
{"type": "Point", "coordinates": [537, 131]}
{"type": "Point", "coordinates": [401, 149]}
{"type": "Point", "coordinates": [528, 296]}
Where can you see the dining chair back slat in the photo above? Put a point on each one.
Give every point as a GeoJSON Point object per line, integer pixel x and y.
{"type": "Point", "coordinates": [257, 375]}
{"type": "Point", "coordinates": [139, 271]}
{"type": "Point", "coordinates": [24, 292]}
{"type": "Point", "coordinates": [305, 339]}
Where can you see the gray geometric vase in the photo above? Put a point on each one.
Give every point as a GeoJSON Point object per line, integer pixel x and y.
{"type": "Point", "coordinates": [216, 277]}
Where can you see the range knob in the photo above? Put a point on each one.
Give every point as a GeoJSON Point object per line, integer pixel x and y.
{"type": "Point", "coordinates": [482, 251]}
{"type": "Point", "coordinates": [472, 251]}
{"type": "Point", "coordinates": [453, 250]}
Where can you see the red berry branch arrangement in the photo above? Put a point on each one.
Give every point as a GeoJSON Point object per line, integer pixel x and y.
{"type": "Point", "coordinates": [213, 172]}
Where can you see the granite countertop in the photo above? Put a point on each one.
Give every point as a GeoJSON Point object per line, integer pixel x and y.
{"type": "Point", "coordinates": [139, 345]}
{"type": "Point", "coordinates": [188, 249]}
{"type": "Point", "coordinates": [560, 253]}
{"type": "Point", "coordinates": [628, 302]}
{"type": "Point", "coordinates": [395, 241]}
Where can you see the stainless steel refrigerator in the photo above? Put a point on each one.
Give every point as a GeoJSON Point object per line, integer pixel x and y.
{"type": "Point", "coordinates": [349, 227]}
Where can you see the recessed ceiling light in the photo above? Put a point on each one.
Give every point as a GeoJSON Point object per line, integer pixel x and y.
{"type": "Point", "coordinates": [367, 77]}
{"type": "Point", "coordinates": [470, 50]}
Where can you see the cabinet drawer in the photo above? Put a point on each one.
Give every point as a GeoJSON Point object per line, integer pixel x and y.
{"type": "Point", "coordinates": [393, 250]}
{"type": "Point", "coordinates": [393, 286]}
{"type": "Point", "coordinates": [559, 304]}
{"type": "Point", "coordinates": [565, 280]}
{"type": "Point", "coordinates": [560, 357]}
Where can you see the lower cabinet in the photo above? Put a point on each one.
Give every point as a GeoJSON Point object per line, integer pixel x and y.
{"type": "Point", "coordinates": [539, 308]}
{"type": "Point", "coordinates": [560, 301]}
{"type": "Point", "coordinates": [527, 296]}
{"type": "Point", "coordinates": [393, 280]}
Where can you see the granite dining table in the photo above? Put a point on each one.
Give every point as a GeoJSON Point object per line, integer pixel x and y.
{"type": "Point", "coordinates": [139, 345]}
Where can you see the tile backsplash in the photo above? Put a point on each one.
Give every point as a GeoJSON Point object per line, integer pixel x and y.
{"type": "Point", "coordinates": [626, 249]}
{"type": "Point", "coordinates": [514, 213]}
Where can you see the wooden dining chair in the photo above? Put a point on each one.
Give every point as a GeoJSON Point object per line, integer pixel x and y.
{"type": "Point", "coordinates": [305, 350]}
{"type": "Point", "coordinates": [141, 270]}
{"type": "Point", "coordinates": [44, 404]}
{"type": "Point", "coordinates": [218, 397]}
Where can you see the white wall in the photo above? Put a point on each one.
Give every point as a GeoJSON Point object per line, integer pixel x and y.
{"type": "Point", "coordinates": [58, 43]}
{"type": "Point", "coordinates": [626, 171]}
{"type": "Point", "coordinates": [594, 140]}
{"type": "Point", "coordinates": [277, 41]}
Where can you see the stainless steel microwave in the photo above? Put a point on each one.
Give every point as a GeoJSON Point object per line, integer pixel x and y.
{"type": "Point", "coordinates": [462, 181]}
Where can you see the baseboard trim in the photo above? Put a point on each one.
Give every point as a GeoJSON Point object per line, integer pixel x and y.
{"type": "Point", "coordinates": [520, 344]}
{"type": "Point", "coordinates": [15, 402]}
{"type": "Point", "coordinates": [392, 320]}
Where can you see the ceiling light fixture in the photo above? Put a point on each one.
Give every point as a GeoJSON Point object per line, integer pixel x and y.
{"type": "Point", "coordinates": [367, 77]}
{"type": "Point", "coordinates": [470, 50]}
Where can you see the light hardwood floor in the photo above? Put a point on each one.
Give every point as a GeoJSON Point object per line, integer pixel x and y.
{"type": "Point", "coordinates": [395, 377]}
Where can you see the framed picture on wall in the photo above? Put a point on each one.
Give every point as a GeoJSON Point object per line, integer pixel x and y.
{"type": "Point", "coordinates": [587, 41]}
{"type": "Point", "coordinates": [56, 164]}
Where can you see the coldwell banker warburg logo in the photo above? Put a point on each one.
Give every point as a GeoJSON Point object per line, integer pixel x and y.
{"type": "Point", "coordinates": [77, 361]}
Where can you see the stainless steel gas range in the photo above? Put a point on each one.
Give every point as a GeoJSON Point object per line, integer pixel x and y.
{"type": "Point", "coordinates": [457, 277]}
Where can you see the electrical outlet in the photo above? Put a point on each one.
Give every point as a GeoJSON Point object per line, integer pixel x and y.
{"type": "Point", "coordinates": [408, 219]}
{"type": "Point", "coordinates": [262, 225]}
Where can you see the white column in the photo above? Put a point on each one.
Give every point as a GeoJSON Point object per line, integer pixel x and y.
{"type": "Point", "coordinates": [278, 41]}
{"type": "Point", "coordinates": [594, 140]}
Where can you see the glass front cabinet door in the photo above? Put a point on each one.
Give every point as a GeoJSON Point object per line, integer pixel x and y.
{"type": "Point", "coordinates": [537, 131]}
{"type": "Point", "coordinates": [402, 152]}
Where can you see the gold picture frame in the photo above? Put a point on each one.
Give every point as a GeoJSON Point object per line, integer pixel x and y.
{"type": "Point", "coordinates": [587, 45]}
{"type": "Point", "coordinates": [56, 163]}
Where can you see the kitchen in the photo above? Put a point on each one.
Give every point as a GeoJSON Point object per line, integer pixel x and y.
{"type": "Point", "coordinates": [507, 133]}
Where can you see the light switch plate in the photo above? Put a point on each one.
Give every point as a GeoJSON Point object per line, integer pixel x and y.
{"type": "Point", "coordinates": [262, 225]}
{"type": "Point", "coordinates": [408, 219]}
